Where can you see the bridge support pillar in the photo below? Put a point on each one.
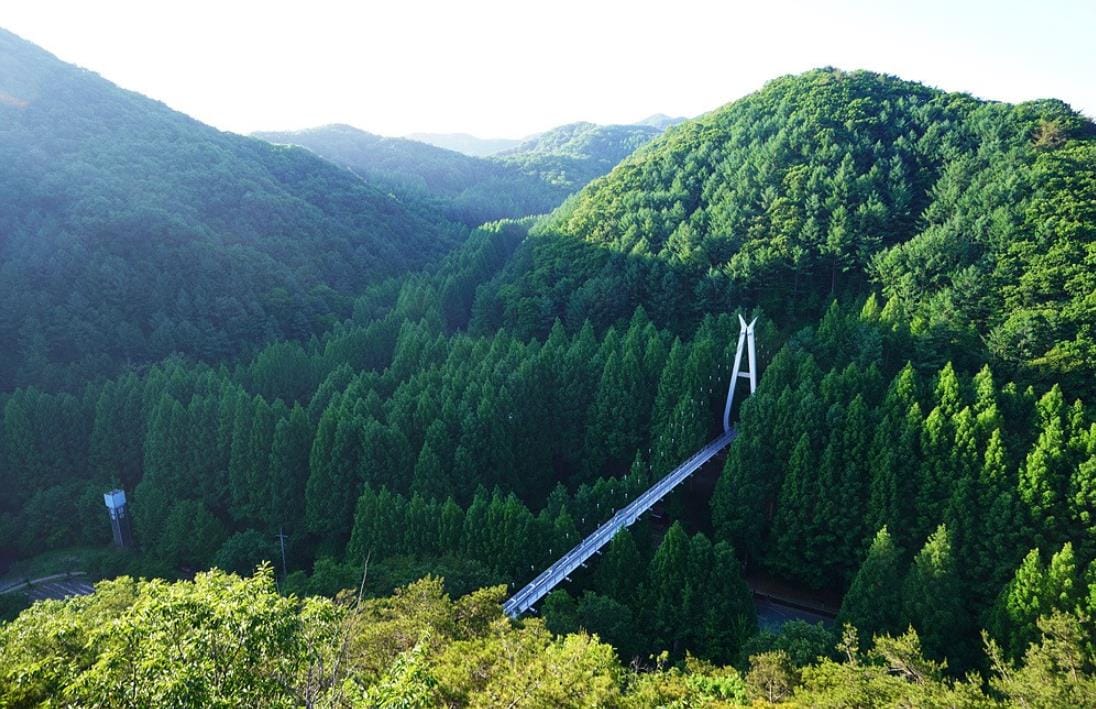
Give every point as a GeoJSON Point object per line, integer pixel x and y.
{"type": "Point", "coordinates": [745, 341]}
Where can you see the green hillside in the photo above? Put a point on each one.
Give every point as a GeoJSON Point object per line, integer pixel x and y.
{"type": "Point", "coordinates": [572, 155]}
{"type": "Point", "coordinates": [469, 189]}
{"type": "Point", "coordinates": [974, 218]}
{"type": "Point", "coordinates": [921, 445]}
{"type": "Point", "coordinates": [130, 232]}
{"type": "Point", "coordinates": [533, 177]}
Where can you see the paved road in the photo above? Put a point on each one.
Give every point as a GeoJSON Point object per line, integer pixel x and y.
{"type": "Point", "coordinates": [62, 588]}
{"type": "Point", "coordinates": [771, 615]}
{"type": "Point", "coordinates": [57, 586]}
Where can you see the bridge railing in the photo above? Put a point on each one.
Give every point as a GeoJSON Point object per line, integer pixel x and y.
{"type": "Point", "coordinates": [625, 517]}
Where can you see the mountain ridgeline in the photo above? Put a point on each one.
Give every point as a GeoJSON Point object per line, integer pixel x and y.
{"type": "Point", "coordinates": [464, 143]}
{"type": "Point", "coordinates": [533, 177]}
{"type": "Point", "coordinates": [922, 442]}
{"type": "Point", "coordinates": [130, 232]}
{"type": "Point", "coordinates": [572, 155]}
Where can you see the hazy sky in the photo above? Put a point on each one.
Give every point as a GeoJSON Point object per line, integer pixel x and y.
{"type": "Point", "coordinates": [507, 69]}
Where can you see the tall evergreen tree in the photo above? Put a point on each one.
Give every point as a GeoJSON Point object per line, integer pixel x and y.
{"type": "Point", "coordinates": [667, 578]}
{"type": "Point", "coordinates": [1035, 591]}
{"type": "Point", "coordinates": [728, 617]}
{"type": "Point", "coordinates": [1045, 473]}
{"type": "Point", "coordinates": [873, 603]}
{"type": "Point", "coordinates": [995, 541]}
{"type": "Point", "coordinates": [619, 571]}
{"type": "Point", "coordinates": [895, 464]}
{"type": "Point", "coordinates": [289, 453]}
{"type": "Point", "coordinates": [932, 598]}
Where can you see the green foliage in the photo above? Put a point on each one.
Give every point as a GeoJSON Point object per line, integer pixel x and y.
{"type": "Point", "coordinates": [772, 677]}
{"type": "Point", "coordinates": [132, 232]}
{"type": "Point", "coordinates": [932, 596]}
{"type": "Point", "coordinates": [478, 418]}
{"type": "Point", "coordinates": [994, 464]}
{"type": "Point", "coordinates": [834, 183]}
{"type": "Point", "coordinates": [1056, 672]}
{"type": "Point", "coordinates": [221, 639]}
{"type": "Point", "coordinates": [803, 643]}
{"type": "Point", "coordinates": [1037, 590]}
{"type": "Point", "coordinates": [244, 551]}
{"type": "Point", "coordinates": [873, 602]}
{"type": "Point", "coordinates": [572, 155]}
{"type": "Point", "coordinates": [217, 641]}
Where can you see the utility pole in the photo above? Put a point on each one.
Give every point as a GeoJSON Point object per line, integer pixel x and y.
{"type": "Point", "coordinates": [281, 539]}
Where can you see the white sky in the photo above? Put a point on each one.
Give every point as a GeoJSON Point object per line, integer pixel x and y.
{"type": "Point", "coordinates": [510, 68]}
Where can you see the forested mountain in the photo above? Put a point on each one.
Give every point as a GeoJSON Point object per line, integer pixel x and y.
{"type": "Point", "coordinates": [533, 177]}
{"type": "Point", "coordinates": [129, 231]}
{"type": "Point", "coordinates": [465, 143]}
{"type": "Point", "coordinates": [922, 441]}
{"type": "Point", "coordinates": [975, 219]}
{"type": "Point", "coordinates": [572, 155]}
{"type": "Point", "coordinates": [470, 189]}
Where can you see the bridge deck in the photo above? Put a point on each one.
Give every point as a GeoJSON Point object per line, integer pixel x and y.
{"type": "Point", "coordinates": [551, 577]}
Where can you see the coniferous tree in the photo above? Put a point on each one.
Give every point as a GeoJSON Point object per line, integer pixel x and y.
{"type": "Point", "coordinates": [932, 598]}
{"type": "Point", "coordinates": [1045, 473]}
{"type": "Point", "coordinates": [996, 538]}
{"type": "Point", "coordinates": [430, 477]}
{"type": "Point", "coordinates": [449, 524]}
{"type": "Point", "coordinates": [362, 542]}
{"type": "Point", "coordinates": [964, 514]}
{"type": "Point", "coordinates": [728, 615]}
{"type": "Point", "coordinates": [791, 541]}
{"type": "Point", "coordinates": [1082, 494]}
{"type": "Point", "coordinates": [873, 603]}
{"type": "Point", "coordinates": [746, 492]}
{"type": "Point", "coordinates": [619, 571]}
{"type": "Point", "coordinates": [935, 474]}
{"type": "Point", "coordinates": [420, 526]}
{"type": "Point", "coordinates": [289, 453]}
{"type": "Point", "coordinates": [166, 448]}
{"type": "Point", "coordinates": [332, 487]}
{"type": "Point", "coordinates": [1035, 591]}
{"type": "Point", "coordinates": [667, 578]}
{"type": "Point", "coordinates": [895, 464]}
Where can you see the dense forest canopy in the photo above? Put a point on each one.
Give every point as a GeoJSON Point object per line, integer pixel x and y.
{"type": "Point", "coordinates": [533, 177]}
{"type": "Point", "coordinates": [922, 443]}
{"type": "Point", "coordinates": [975, 218]}
{"type": "Point", "coordinates": [130, 232]}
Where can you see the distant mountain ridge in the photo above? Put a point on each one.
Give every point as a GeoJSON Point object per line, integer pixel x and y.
{"type": "Point", "coordinates": [532, 177]}
{"type": "Point", "coordinates": [130, 231]}
{"type": "Point", "coordinates": [465, 143]}
{"type": "Point", "coordinates": [661, 121]}
{"type": "Point", "coordinates": [574, 154]}
{"type": "Point", "coordinates": [489, 147]}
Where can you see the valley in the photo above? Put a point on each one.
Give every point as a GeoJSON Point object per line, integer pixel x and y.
{"type": "Point", "coordinates": [359, 391]}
